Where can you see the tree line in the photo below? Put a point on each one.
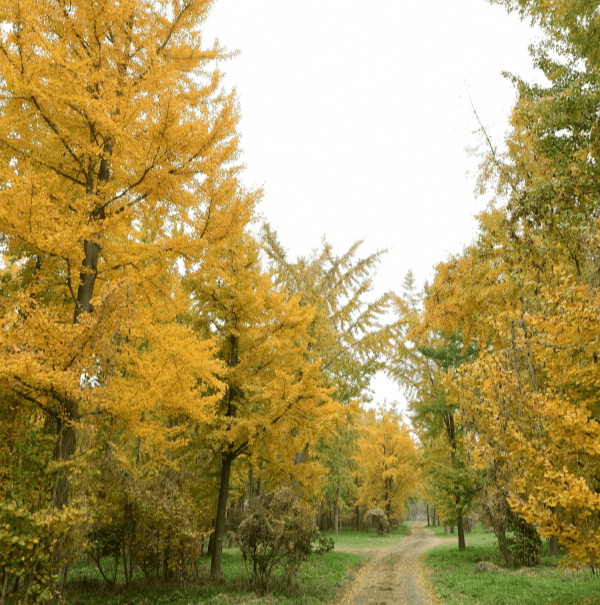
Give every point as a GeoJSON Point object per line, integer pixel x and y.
{"type": "Point", "coordinates": [162, 361]}
{"type": "Point", "coordinates": [500, 353]}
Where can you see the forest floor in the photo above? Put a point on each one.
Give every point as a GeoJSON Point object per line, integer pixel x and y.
{"type": "Point", "coordinates": [393, 575]}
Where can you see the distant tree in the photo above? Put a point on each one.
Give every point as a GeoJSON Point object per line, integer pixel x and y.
{"type": "Point", "coordinates": [419, 361]}
{"type": "Point", "coordinates": [348, 335]}
{"type": "Point", "coordinates": [388, 467]}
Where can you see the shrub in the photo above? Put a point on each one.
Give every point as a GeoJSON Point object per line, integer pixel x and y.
{"type": "Point", "coordinates": [276, 534]}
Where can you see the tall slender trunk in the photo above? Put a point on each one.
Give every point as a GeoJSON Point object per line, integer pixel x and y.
{"type": "Point", "coordinates": [461, 533]}
{"type": "Point", "coordinates": [227, 458]}
{"type": "Point", "coordinates": [87, 279]}
{"type": "Point", "coordinates": [216, 562]}
{"type": "Point", "coordinates": [336, 513]}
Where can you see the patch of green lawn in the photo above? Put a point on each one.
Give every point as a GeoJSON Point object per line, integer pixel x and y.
{"type": "Point", "coordinates": [455, 580]}
{"type": "Point", "coordinates": [350, 539]}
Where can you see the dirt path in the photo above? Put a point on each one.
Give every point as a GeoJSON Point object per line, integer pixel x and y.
{"type": "Point", "coordinates": [394, 575]}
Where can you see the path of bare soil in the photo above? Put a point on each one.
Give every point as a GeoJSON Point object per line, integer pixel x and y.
{"type": "Point", "coordinates": [394, 575]}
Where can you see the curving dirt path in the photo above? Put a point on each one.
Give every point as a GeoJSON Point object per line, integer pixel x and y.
{"type": "Point", "coordinates": [394, 575]}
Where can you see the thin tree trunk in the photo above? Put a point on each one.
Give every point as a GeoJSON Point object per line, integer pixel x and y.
{"type": "Point", "coordinates": [336, 512]}
{"type": "Point", "coordinates": [216, 562]}
{"type": "Point", "coordinates": [87, 279]}
{"type": "Point", "coordinates": [427, 506]}
{"type": "Point", "coordinates": [461, 533]}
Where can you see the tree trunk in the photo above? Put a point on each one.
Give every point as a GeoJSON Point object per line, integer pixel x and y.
{"type": "Point", "coordinates": [461, 533]}
{"type": "Point", "coordinates": [64, 449]}
{"type": "Point", "coordinates": [66, 418]}
{"type": "Point", "coordinates": [336, 512]}
{"type": "Point", "coordinates": [427, 507]}
{"type": "Point", "coordinates": [216, 569]}
{"type": "Point", "coordinates": [87, 279]}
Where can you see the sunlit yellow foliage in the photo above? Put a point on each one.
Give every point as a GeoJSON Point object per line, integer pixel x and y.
{"type": "Point", "coordinates": [387, 463]}
{"type": "Point", "coordinates": [117, 151]}
{"type": "Point", "coordinates": [276, 406]}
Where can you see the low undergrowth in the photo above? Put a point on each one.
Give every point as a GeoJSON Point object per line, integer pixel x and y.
{"type": "Point", "coordinates": [317, 581]}
{"type": "Point", "coordinates": [457, 583]}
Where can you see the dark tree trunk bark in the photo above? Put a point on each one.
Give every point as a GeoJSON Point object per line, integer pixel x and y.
{"type": "Point", "coordinates": [68, 415]}
{"type": "Point", "coordinates": [461, 533]}
{"type": "Point", "coordinates": [87, 279]}
{"type": "Point", "coordinates": [216, 562]}
{"type": "Point", "coordinates": [64, 449]}
{"type": "Point", "coordinates": [427, 507]}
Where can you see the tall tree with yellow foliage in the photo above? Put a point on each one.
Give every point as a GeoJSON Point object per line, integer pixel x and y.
{"type": "Point", "coordinates": [347, 326]}
{"type": "Point", "coordinates": [420, 359]}
{"type": "Point", "coordinates": [388, 465]}
{"type": "Point", "coordinates": [526, 292]}
{"type": "Point", "coordinates": [348, 334]}
{"type": "Point", "coordinates": [276, 404]}
{"type": "Point", "coordinates": [116, 151]}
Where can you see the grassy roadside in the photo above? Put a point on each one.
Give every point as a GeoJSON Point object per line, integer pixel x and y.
{"type": "Point", "coordinates": [318, 581]}
{"type": "Point", "coordinates": [456, 583]}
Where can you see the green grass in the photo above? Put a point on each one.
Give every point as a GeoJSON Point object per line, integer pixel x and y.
{"type": "Point", "coordinates": [440, 532]}
{"type": "Point", "coordinates": [455, 580]}
{"type": "Point", "coordinates": [318, 581]}
{"type": "Point", "coordinates": [349, 539]}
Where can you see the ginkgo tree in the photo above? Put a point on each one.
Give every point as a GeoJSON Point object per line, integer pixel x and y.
{"type": "Point", "coordinates": [348, 328]}
{"type": "Point", "coordinates": [276, 404]}
{"type": "Point", "coordinates": [117, 147]}
{"type": "Point", "coordinates": [419, 360]}
{"type": "Point", "coordinates": [349, 336]}
{"type": "Point", "coordinates": [525, 294]}
{"type": "Point", "coordinates": [388, 465]}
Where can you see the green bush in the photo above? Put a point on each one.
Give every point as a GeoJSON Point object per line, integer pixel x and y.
{"type": "Point", "coordinates": [277, 534]}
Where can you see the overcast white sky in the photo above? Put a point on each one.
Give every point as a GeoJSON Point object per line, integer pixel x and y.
{"type": "Point", "coordinates": [356, 120]}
